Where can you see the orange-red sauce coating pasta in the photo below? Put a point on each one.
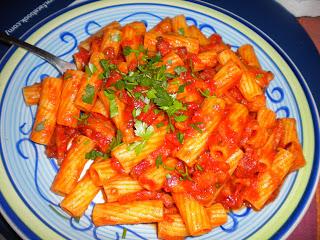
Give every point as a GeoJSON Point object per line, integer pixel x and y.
{"type": "Point", "coordinates": [176, 123]}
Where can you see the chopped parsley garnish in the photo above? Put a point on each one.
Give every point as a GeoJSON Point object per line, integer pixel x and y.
{"type": "Point", "coordinates": [180, 118]}
{"type": "Point", "coordinates": [40, 126]}
{"type": "Point", "coordinates": [160, 124]}
{"type": "Point", "coordinates": [168, 176]}
{"type": "Point", "coordinates": [67, 76]}
{"type": "Point", "coordinates": [109, 93]}
{"type": "Point", "coordinates": [198, 167]}
{"type": "Point", "coordinates": [88, 95]}
{"type": "Point", "coordinates": [107, 67]}
{"type": "Point", "coordinates": [260, 75]}
{"type": "Point", "coordinates": [90, 69]}
{"type": "Point", "coordinates": [181, 88]}
{"type": "Point", "coordinates": [57, 212]}
{"type": "Point", "coordinates": [124, 233]}
{"type": "Point", "coordinates": [83, 118]}
{"type": "Point", "coordinates": [136, 112]}
{"type": "Point", "coordinates": [195, 126]}
{"type": "Point", "coordinates": [180, 137]}
{"type": "Point", "coordinates": [116, 140]}
{"type": "Point", "coordinates": [143, 130]}
{"type": "Point", "coordinates": [185, 174]}
{"type": "Point", "coordinates": [94, 154]}
{"type": "Point", "coordinates": [205, 93]}
{"type": "Point", "coordinates": [159, 161]}
{"type": "Point", "coordinates": [180, 69]}
{"type": "Point", "coordinates": [116, 37]}
{"type": "Point", "coordinates": [146, 108]}
{"type": "Point", "coordinates": [181, 31]}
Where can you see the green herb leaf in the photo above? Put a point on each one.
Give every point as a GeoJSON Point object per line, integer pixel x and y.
{"type": "Point", "coordinates": [205, 93]}
{"type": "Point", "coordinates": [180, 137]}
{"type": "Point", "coordinates": [126, 50]}
{"type": "Point", "coordinates": [160, 124]}
{"type": "Point", "coordinates": [185, 175]}
{"type": "Point", "coordinates": [90, 69]}
{"type": "Point", "coordinates": [83, 118]}
{"type": "Point", "coordinates": [151, 94]}
{"type": "Point", "coordinates": [195, 126]}
{"type": "Point", "coordinates": [93, 154]}
{"type": "Point", "coordinates": [57, 212]}
{"type": "Point", "coordinates": [67, 76]}
{"type": "Point", "coordinates": [180, 118]}
{"type": "Point", "coordinates": [198, 167]}
{"type": "Point", "coordinates": [107, 67]}
{"type": "Point", "coordinates": [116, 37]}
{"type": "Point", "coordinates": [119, 85]}
{"type": "Point", "coordinates": [181, 88]}
{"type": "Point", "coordinates": [181, 31]}
{"type": "Point", "coordinates": [136, 112]}
{"type": "Point", "coordinates": [168, 176]}
{"type": "Point", "coordinates": [116, 140]}
{"type": "Point", "coordinates": [159, 161]}
{"type": "Point", "coordinates": [168, 168]}
{"type": "Point", "coordinates": [124, 233]}
{"type": "Point", "coordinates": [40, 126]}
{"type": "Point", "coordinates": [143, 130]}
{"type": "Point", "coordinates": [88, 95]}
{"type": "Point", "coordinates": [180, 69]}
{"type": "Point", "coordinates": [113, 103]}
{"type": "Point", "coordinates": [259, 75]}
{"type": "Point", "coordinates": [146, 108]}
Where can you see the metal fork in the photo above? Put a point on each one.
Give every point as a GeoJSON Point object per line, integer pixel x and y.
{"type": "Point", "coordinates": [58, 63]}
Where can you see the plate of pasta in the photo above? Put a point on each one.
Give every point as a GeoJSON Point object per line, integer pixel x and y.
{"type": "Point", "coordinates": [180, 121]}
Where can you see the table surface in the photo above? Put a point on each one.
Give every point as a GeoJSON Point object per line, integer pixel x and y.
{"type": "Point", "coordinates": [309, 227]}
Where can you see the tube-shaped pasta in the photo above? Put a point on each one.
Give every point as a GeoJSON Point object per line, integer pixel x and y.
{"type": "Point", "coordinates": [233, 160]}
{"type": "Point", "coordinates": [163, 27]}
{"type": "Point", "coordinates": [267, 182]}
{"type": "Point", "coordinates": [135, 212]}
{"type": "Point", "coordinates": [191, 44]}
{"type": "Point", "coordinates": [78, 200]}
{"type": "Point", "coordinates": [227, 77]}
{"type": "Point", "coordinates": [249, 87]}
{"type": "Point", "coordinates": [193, 214]}
{"type": "Point", "coordinates": [71, 167]}
{"type": "Point", "coordinates": [195, 32]}
{"type": "Point", "coordinates": [138, 27]}
{"type": "Point", "coordinates": [99, 107]}
{"type": "Point", "coordinates": [68, 113]}
{"type": "Point", "coordinates": [111, 39]}
{"type": "Point", "coordinates": [179, 25]}
{"type": "Point", "coordinates": [46, 116]}
{"type": "Point", "coordinates": [127, 155]}
{"type": "Point", "coordinates": [248, 55]}
{"type": "Point", "coordinates": [207, 59]}
{"type": "Point", "coordinates": [228, 55]}
{"type": "Point", "coordinates": [150, 41]}
{"type": "Point", "coordinates": [101, 170]}
{"type": "Point", "coordinates": [237, 117]}
{"type": "Point", "coordinates": [119, 118]}
{"type": "Point", "coordinates": [289, 131]}
{"type": "Point", "coordinates": [86, 44]}
{"type": "Point", "coordinates": [31, 94]}
{"type": "Point", "coordinates": [172, 227]}
{"type": "Point", "coordinates": [217, 215]}
{"type": "Point", "coordinates": [90, 84]}
{"type": "Point", "coordinates": [119, 186]}
{"type": "Point", "coordinates": [212, 111]}
{"type": "Point", "coordinates": [154, 178]}
{"type": "Point", "coordinates": [172, 60]}
{"type": "Point", "coordinates": [266, 118]}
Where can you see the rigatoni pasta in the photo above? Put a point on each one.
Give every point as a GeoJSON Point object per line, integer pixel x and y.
{"type": "Point", "coordinates": [174, 125]}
